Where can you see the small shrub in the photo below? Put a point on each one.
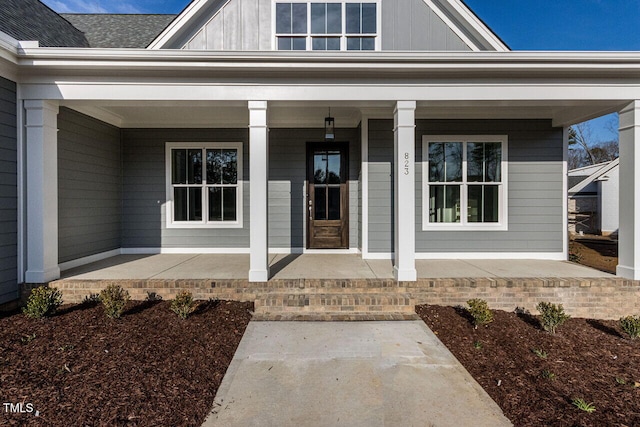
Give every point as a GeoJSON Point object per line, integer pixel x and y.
{"type": "Point", "coordinates": [480, 312]}
{"type": "Point", "coordinates": [114, 299]}
{"type": "Point", "coordinates": [631, 326]}
{"type": "Point", "coordinates": [43, 302]}
{"type": "Point", "coordinates": [547, 374]}
{"type": "Point", "coordinates": [540, 353]}
{"type": "Point", "coordinates": [583, 405]}
{"type": "Point", "coordinates": [28, 338]}
{"type": "Point", "coordinates": [91, 299]}
{"type": "Point", "coordinates": [183, 305]}
{"type": "Point", "coordinates": [477, 345]}
{"type": "Point", "coordinates": [552, 316]}
{"type": "Point", "coordinates": [621, 381]}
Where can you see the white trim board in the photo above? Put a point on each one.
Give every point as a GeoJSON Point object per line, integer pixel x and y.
{"type": "Point", "coordinates": [550, 256]}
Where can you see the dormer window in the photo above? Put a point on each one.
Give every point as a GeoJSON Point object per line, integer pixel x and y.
{"type": "Point", "coordinates": [326, 26]}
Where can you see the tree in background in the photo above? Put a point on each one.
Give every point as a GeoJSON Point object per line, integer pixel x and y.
{"type": "Point", "coordinates": [585, 149]}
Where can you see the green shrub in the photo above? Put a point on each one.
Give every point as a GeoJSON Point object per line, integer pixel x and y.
{"type": "Point", "coordinates": [480, 312]}
{"type": "Point", "coordinates": [552, 316]}
{"type": "Point", "coordinates": [183, 305]}
{"type": "Point", "coordinates": [631, 326]}
{"type": "Point", "coordinates": [43, 302]}
{"type": "Point", "coordinates": [540, 353]}
{"type": "Point", "coordinates": [583, 405]}
{"type": "Point", "coordinates": [114, 299]}
{"type": "Point", "coordinates": [547, 374]}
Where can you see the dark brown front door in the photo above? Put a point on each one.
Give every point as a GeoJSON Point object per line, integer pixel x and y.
{"type": "Point", "coordinates": [327, 195]}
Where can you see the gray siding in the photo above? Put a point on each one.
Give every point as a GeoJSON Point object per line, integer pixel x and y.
{"type": "Point", "coordinates": [287, 175]}
{"type": "Point", "coordinates": [89, 186]}
{"type": "Point", "coordinates": [534, 198]}
{"type": "Point", "coordinates": [8, 193]}
{"type": "Point", "coordinates": [144, 197]}
{"type": "Point", "coordinates": [412, 25]}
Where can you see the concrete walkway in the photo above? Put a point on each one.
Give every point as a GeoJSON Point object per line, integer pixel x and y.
{"type": "Point", "coordinates": [353, 374]}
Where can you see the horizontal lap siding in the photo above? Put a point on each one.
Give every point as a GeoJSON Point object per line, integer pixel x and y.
{"type": "Point", "coordinates": [535, 188]}
{"type": "Point", "coordinates": [287, 176]}
{"type": "Point", "coordinates": [89, 186]}
{"type": "Point", "coordinates": [8, 193]}
{"type": "Point", "coordinates": [144, 192]}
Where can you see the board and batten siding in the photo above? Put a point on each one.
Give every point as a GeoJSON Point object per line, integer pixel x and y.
{"type": "Point", "coordinates": [287, 188]}
{"type": "Point", "coordinates": [535, 198]}
{"type": "Point", "coordinates": [89, 186]}
{"type": "Point", "coordinates": [247, 25]}
{"type": "Point", "coordinates": [144, 198]}
{"type": "Point", "coordinates": [8, 193]}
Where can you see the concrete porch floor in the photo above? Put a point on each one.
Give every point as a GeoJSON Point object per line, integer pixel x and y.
{"type": "Point", "coordinates": [315, 266]}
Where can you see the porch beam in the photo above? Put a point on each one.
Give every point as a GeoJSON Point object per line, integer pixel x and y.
{"type": "Point", "coordinates": [258, 191]}
{"type": "Point", "coordinates": [404, 191]}
{"type": "Point", "coordinates": [629, 198]}
{"type": "Point", "coordinates": [41, 131]}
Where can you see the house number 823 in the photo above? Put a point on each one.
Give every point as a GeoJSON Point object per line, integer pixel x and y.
{"type": "Point", "coordinates": [406, 163]}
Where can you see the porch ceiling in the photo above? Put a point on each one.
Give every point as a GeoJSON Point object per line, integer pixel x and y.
{"type": "Point", "coordinates": [282, 114]}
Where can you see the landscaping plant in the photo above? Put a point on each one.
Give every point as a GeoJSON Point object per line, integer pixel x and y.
{"type": "Point", "coordinates": [583, 405]}
{"type": "Point", "coordinates": [540, 353]}
{"type": "Point", "coordinates": [43, 302]}
{"type": "Point", "coordinates": [114, 299]}
{"type": "Point", "coordinates": [183, 305]}
{"type": "Point", "coordinates": [552, 316]}
{"type": "Point", "coordinates": [631, 326]}
{"type": "Point", "coordinates": [480, 312]}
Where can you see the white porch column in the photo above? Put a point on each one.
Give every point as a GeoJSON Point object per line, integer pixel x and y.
{"type": "Point", "coordinates": [258, 190]}
{"type": "Point", "coordinates": [41, 123]}
{"type": "Point", "coordinates": [404, 191]}
{"type": "Point", "coordinates": [629, 197]}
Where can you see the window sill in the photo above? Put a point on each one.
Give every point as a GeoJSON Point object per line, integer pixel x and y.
{"type": "Point", "coordinates": [465, 227]}
{"type": "Point", "coordinates": [205, 226]}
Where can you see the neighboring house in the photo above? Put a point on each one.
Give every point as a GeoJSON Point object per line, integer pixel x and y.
{"type": "Point", "coordinates": [593, 198]}
{"type": "Point", "coordinates": [212, 138]}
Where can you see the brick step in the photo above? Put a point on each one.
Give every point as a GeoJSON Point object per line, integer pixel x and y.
{"type": "Point", "coordinates": [334, 303]}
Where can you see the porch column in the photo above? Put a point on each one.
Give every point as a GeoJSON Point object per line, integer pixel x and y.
{"type": "Point", "coordinates": [258, 190]}
{"type": "Point", "coordinates": [41, 130]}
{"type": "Point", "coordinates": [404, 191]}
{"type": "Point", "coordinates": [629, 197]}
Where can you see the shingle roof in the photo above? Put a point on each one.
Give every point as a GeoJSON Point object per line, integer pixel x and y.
{"type": "Point", "coordinates": [32, 20]}
{"type": "Point", "coordinates": [119, 31]}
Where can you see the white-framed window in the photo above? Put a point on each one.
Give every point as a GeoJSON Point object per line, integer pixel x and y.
{"type": "Point", "coordinates": [464, 182]}
{"type": "Point", "coordinates": [328, 25]}
{"type": "Point", "coordinates": [204, 184]}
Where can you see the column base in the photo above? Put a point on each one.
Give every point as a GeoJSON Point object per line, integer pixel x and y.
{"type": "Point", "coordinates": [34, 276]}
{"type": "Point", "coordinates": [259, 275]}
{"type": "Point", "coordinates": [628, 272]}
{"type": "Point", "coordinates": [407, 275]}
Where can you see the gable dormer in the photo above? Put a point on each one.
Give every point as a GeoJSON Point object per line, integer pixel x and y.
{"type": "Point", "coordinates": [328, 25]}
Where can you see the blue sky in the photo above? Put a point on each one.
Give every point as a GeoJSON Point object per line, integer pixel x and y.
{"type": "Point", "coordinates": [523, 24]}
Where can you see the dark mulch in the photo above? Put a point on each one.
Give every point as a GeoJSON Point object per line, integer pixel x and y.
{"type": "Point", "coordinates": [147, 369]}
{"type": "Point", "coordinates": [586, 357]}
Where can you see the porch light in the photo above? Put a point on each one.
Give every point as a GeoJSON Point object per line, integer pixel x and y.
{"type": "Point", "coordinates": [329, 127]}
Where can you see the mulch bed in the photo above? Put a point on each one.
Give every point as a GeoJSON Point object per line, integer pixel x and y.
{"type": "Point", "coordinates": [586, 357]}
{"type": "Point", "coordinates": [148, 368]}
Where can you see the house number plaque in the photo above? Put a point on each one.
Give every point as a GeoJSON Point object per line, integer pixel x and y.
{"type": "Point", "coordinates": [406, 163]}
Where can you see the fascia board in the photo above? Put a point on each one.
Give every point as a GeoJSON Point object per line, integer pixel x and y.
{"type": "Point", "coordinates": [8, 56]}
{"type": "Point", "coordinates": [462, 11]}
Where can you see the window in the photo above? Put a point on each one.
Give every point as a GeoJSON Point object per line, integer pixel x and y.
{"type": "Point", "coordinates": [204, 185]}
{"type": "Point", "coordinates": [326, 26]}
{"type": "Point", "coordinates": [465, 182]}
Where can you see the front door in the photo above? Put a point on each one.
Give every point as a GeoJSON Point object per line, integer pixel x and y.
{"type": "Point", "coordinates": [327, 195]}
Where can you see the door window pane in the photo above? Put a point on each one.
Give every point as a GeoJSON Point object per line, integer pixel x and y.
{"type": "Point", "coordinates": [178, 166]}
{"type": "Point", "coordinates": [180, 204]}
{"type": "Point", "coordinates": [195, 204]}
{"type": "Point", "coordinates": [444, 203]}
{"type": "Point", "coordinates": [334, 203]}
{"type": "Point", "coordinates": [320, 203]}
{"type": "Point", "coordinates": [333, 167]}
{"type": "Point", "coordinates": [319, 168]}
{"type": "Point", "coordinates": [229, 204]}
